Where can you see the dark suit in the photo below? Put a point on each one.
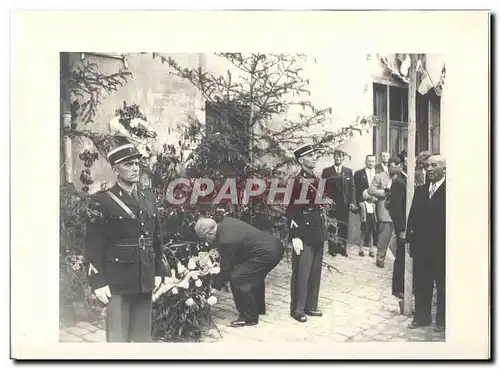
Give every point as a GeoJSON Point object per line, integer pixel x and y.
{"type": "Point", "coordinates": [379, 168]}
{"type": "Point", "coordinates": [306, 223]}
{"type": "Point", "coordinates": [396, 204]}
{"type": "Point", "coordinates": [420, 177]}
{"type": "Point", "coordinates": [340, 188]}
{"type": "Point", "coordinates": [247, 256]}
{"type": "Point", "coordinates": [368, 225]}
{"type": "Point", "coordinates": [115, 256]}
{"type": "Point", "coordinates": [426, 233]}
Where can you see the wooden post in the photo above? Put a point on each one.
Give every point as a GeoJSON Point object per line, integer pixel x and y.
{"type": "Point", "coordinates": [410, 187]}
{"type": "Point", "coordinates": [66, 115]}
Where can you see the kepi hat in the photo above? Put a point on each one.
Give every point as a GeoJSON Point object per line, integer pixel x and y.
{"type": "Point", "coordinates": [303, 150]}
{"type": "Point", "coordinates": [122, 150]}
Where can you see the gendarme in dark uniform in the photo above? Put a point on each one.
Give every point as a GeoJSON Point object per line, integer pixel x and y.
{"type": "Point", "coordinates": [124, 253]}
{"type": "Point", "coordinates": [306, 224]}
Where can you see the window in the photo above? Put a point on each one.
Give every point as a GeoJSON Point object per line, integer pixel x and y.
{"type": "Point", "coordinates": [390, 105]}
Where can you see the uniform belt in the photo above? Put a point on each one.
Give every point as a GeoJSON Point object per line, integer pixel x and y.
{"type": "Point", "coordinates": [134, 242]}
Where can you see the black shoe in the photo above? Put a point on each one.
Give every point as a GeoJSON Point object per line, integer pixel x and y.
{"type": "Point", "coordinates": [361, 253]}
{"type": "Point", "coordinates": [300, 318]}
{"type": "Point", "coordinates": [372, 254]}
{"type": "Point", "coordinates": [399, 295]}
{"type": "Point", "coordinates": [379, 264]}
{"type": "Point", "coordinates": [415, 325]}
{"type": "Point", "coordinates": [344, 253]}
{"type": "Point", "coordinates": [439, 328]}
{"type": "Point", "coordinates": [242, 323]}
{"type": "Point", "coordinates": [314, 313]}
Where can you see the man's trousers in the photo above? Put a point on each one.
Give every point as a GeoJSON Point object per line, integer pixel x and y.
{"type": "Point", "coordinates": [306, 278]}
{"type": "Point", "coordinates": [369, 234]}
{"type": "Point", "coordinates": [248, 284]}
{"type": "Point", "coordinates": [385, 230]}
{"type": "Point", "coordinates": [128, 318]}
{"type": "Point", "coordinates": [398, 272]}
{"type": "Point", "coordinates": [427, 271]}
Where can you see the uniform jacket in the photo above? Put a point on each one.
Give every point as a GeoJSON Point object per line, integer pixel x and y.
{"type": "Point", "coordinates": [239, 242]}
{"type": "Point", "coordinates": [340, 188]}
{"type": "Point", "coordinates": [426, 229]}
{"type": "Point", "coordinates": [396, 203]}
{"type": "Point", "coordinates": [112, 251]}
{"type": "Point", "coordinates": [380, 182]}
{"type": "Point", "coordinates": [305, 221]}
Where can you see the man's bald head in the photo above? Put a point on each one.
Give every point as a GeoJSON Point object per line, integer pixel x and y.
{"type": "Point", "coordinates": [206, 229]}
{"type": "Point", "coordinates": [436, 168]}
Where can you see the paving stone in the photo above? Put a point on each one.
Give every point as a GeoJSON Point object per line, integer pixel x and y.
{"type": "Point", "coordinates": [87, 326]}
{"type": "Point", "coordinates": [77, 331]}
{"type": "Point", "coordinates": [97, 336]}
{"type": "Point", "coordinates": [348, 330]}
{"type": "Point", "coordinates": [69, 338]}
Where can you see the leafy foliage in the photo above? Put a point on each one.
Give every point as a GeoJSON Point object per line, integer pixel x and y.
{"type": "Point", "coordinates": [87, 85]}
{"type": "Point", "coordinates": [75, 296]}
{"type": "Point", "coordinates": [250, 123]}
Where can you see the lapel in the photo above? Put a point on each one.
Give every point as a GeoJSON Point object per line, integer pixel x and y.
{"type": "Point", "coordinates": [126, 198]}
{"type": "Point", "coordinates": [439, 192]}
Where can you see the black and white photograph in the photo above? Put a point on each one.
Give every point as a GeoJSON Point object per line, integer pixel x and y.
{"type": "Point", "coordinates": [257, 197]}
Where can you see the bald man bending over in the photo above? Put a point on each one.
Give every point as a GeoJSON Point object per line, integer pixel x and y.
{"type": "Point", "coordinates": [426, 233]}
{"type": "Point", "coordinates": [247, 256]}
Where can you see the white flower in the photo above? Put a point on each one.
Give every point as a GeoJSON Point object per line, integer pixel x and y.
{"type": "Point", "coordinates": [175, 291]}
{"type": "Point", "coordinates": [135, 122]}
{"type": "Point", "coordinates": [191, 264]}
{"type": "Point", "coordinates": [198, 283]}
{"type": "Point", "coordinates": [212, 300]}
{"type": "Point", "coordinates": [189, 301]}
{"type": "Point", "coordinates": [195, 277]}
{"type": "Point", "coordinates": [184, 284]}
{"type": "Point", "coordinates": [215, 270]}
{"type": "Point", "coordinates": [181, 269]}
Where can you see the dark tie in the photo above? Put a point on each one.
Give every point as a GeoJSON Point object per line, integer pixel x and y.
{"type": "Point", "coordinates": [135, 195]}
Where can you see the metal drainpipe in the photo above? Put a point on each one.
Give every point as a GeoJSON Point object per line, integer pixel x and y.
{"type": "Point", "coordinates": [66, 116]}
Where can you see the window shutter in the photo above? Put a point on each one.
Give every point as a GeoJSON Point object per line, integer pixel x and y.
{"type": "Point", "coordinates": [380, 110]}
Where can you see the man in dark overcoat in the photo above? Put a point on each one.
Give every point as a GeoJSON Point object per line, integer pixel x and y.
{"type": "Point", "coordinates": [247, 255]}
{"type": "Point", "coordinates": [426, 233]}
{"type": "Point", "coordinates": [341, 189]}
{"type": "Point", "coordinates": [396, 205]}
{"type": "Point", "coordinates": [123, 254]}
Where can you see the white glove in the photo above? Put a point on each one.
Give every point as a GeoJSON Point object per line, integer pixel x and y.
{"type": "Point", "coordinates": [297, 245]}
{"type": "Point", "coordinates": [103, 294]}
{"type": "Point", "coordinates": [158, 281]}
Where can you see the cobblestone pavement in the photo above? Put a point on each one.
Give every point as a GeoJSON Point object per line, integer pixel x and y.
{"type": "Point", "coordinates": [355, 299]}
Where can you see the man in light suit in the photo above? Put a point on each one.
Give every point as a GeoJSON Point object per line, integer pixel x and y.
{"type": "Point", "coordinates": [426, 234]}
{"type": "Point", "coordinates": [380, 188]}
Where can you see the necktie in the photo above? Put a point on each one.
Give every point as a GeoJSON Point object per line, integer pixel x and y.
{"type": "Point", "coordinates": [135, 195]}
{"type": "Point", "coordinates": [432, 190]}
